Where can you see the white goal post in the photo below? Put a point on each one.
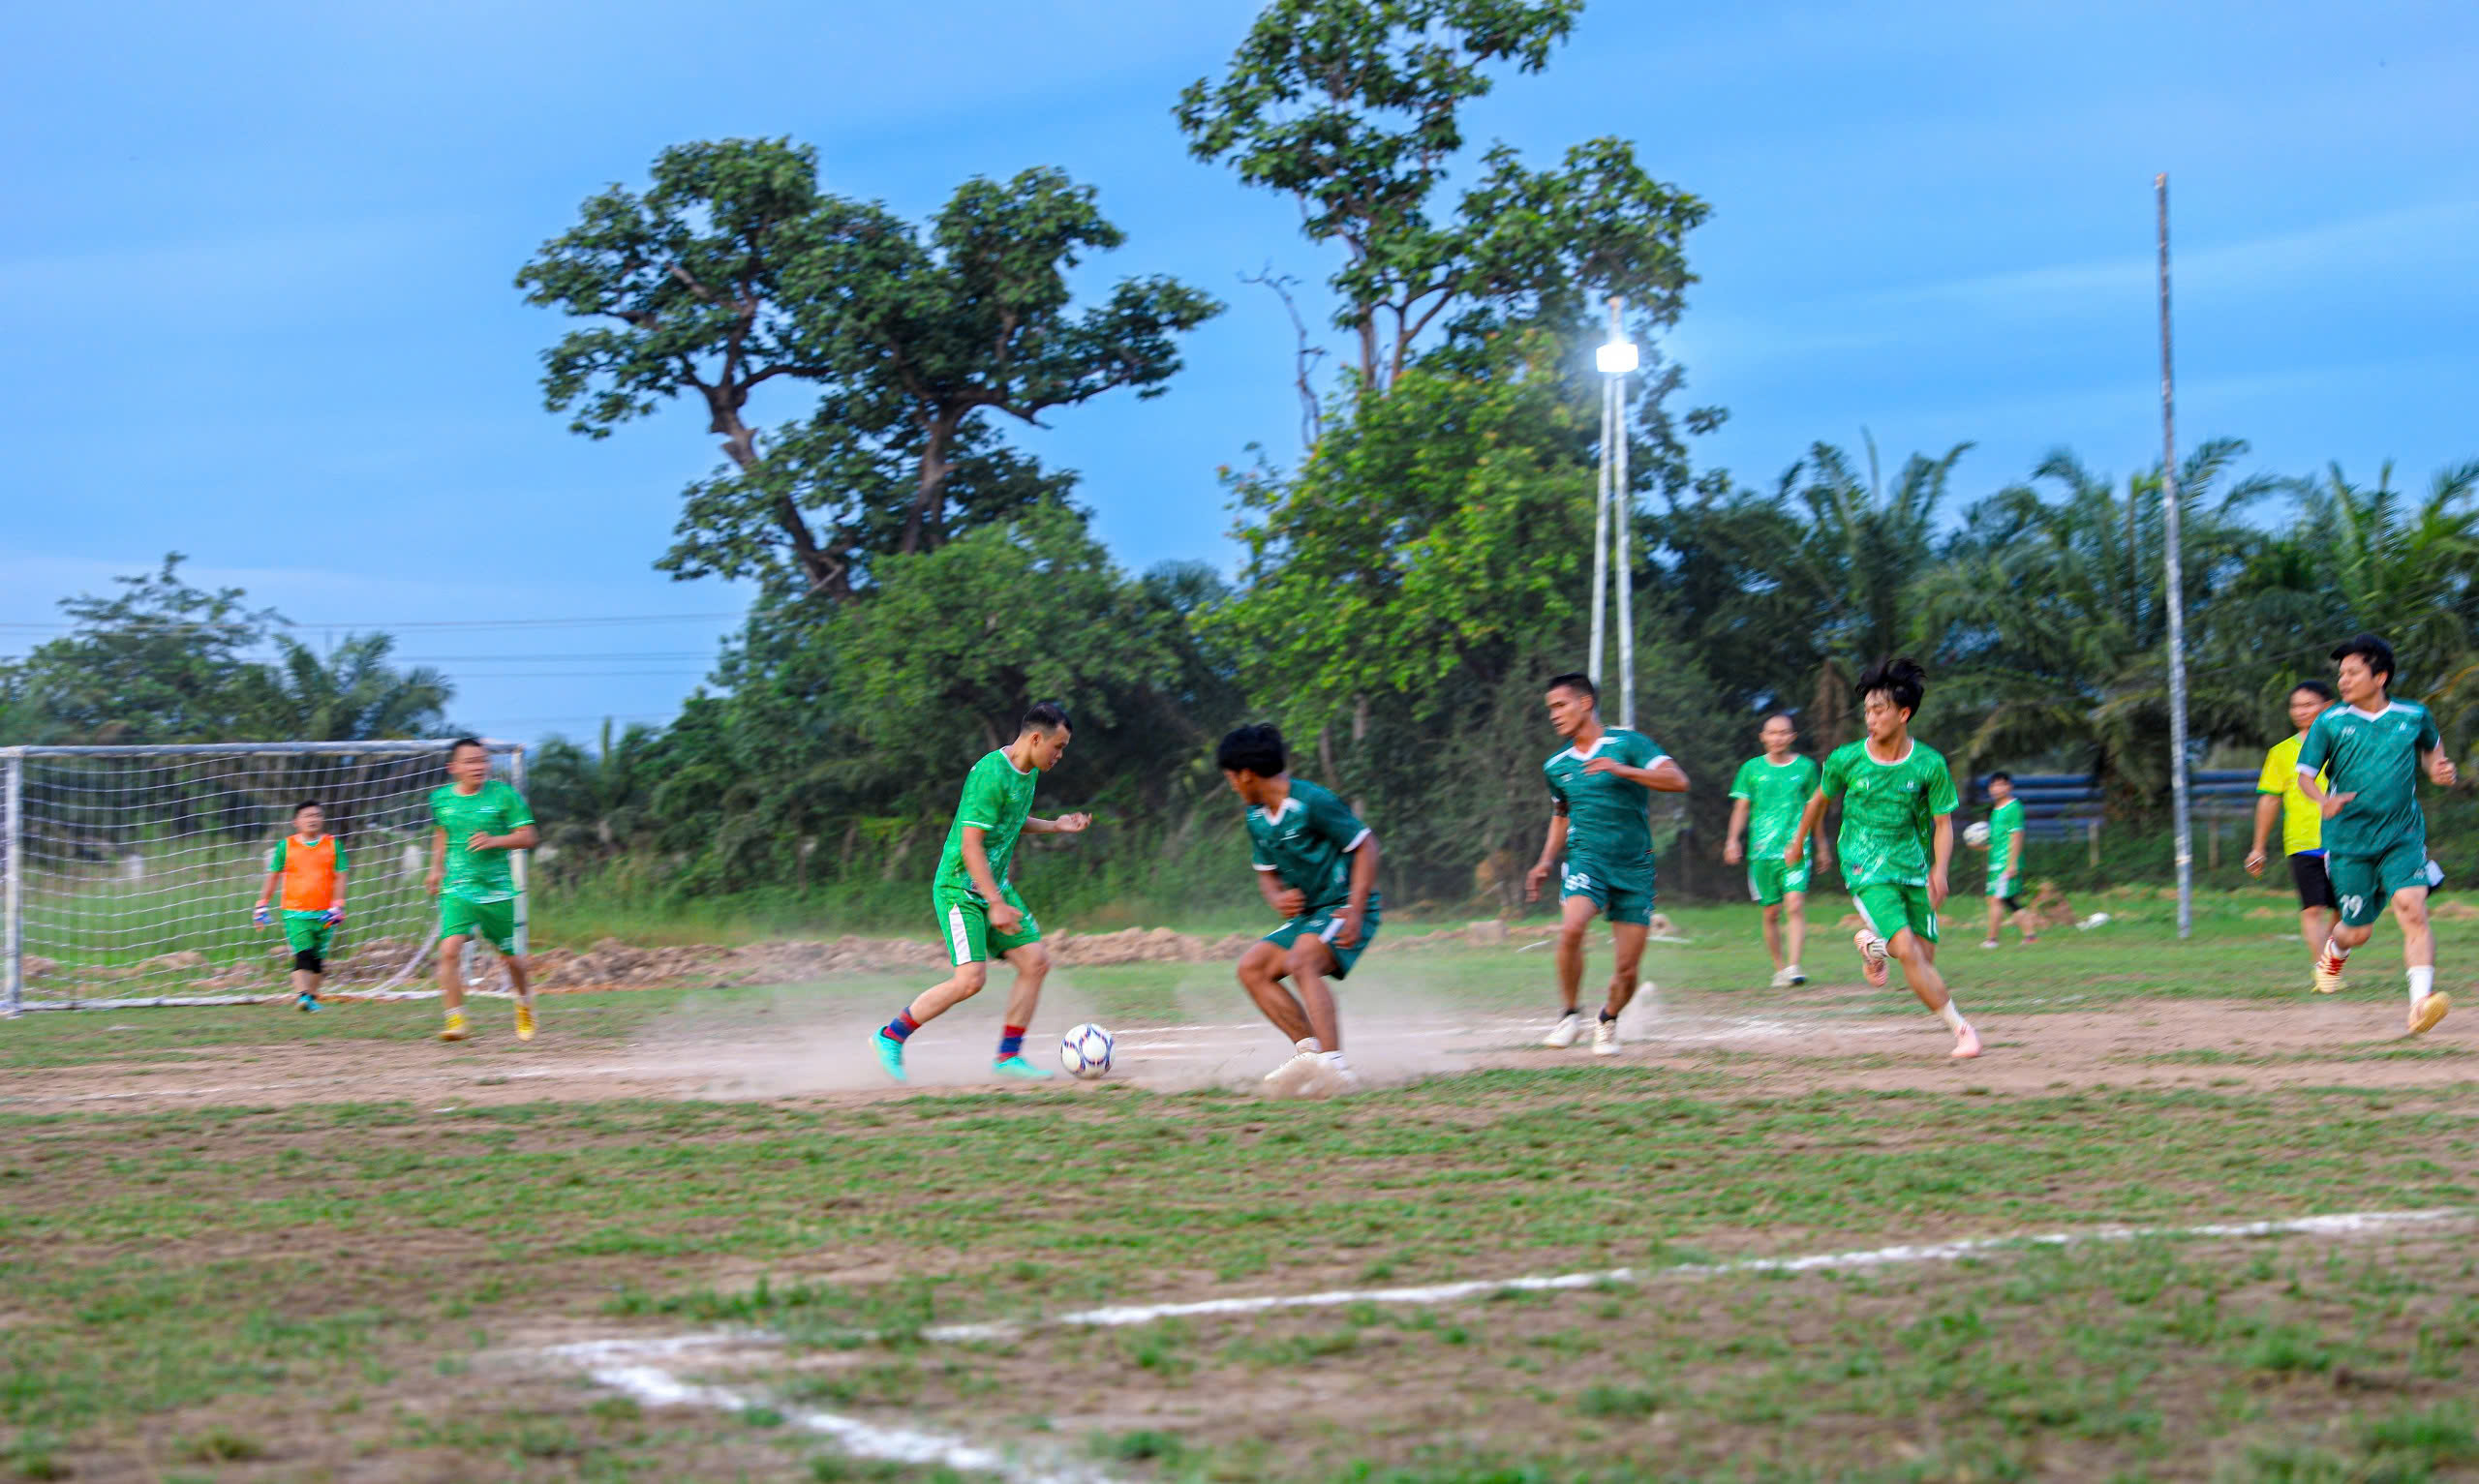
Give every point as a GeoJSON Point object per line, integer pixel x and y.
{"type": "Point", "coordinates": [127, 873]}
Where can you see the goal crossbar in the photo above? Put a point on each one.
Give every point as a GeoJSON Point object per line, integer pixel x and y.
{"type": "Point", "coordinates": [128, 871]}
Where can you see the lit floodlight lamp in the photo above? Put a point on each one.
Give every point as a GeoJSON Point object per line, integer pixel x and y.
{"type": "Point", "coordinates": [1616, 358]}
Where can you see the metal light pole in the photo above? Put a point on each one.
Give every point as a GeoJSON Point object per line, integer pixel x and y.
{"type": "Point", "coordinates": [1616, 359]}
{"type": "Point", "coordinates": [2169, 541]}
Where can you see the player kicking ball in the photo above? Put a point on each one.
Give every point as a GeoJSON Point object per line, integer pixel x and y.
{"type": "Point", "coordinates": [2375, 839]}
{"type": "Point", "coordinates": [1316, 866]}
{"type": "Point", "coordinates": [977, 906]}
{"type": "Point", "coordinates": [1767, 797]}
{"type": "Point", "coordinates": [306, 876]}
{"type": "Point", "coordinates": [1897, 838]}
{"type": "Point", "coordinates": [1601, 842]}
{"type": "Point", "coordinates": [478, 820]}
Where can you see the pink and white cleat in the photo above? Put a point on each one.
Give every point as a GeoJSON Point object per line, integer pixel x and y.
{"type": "Point", "coordinates": [1872, 957]}
{"type": "Point", "coordinates": [1966, 1045]}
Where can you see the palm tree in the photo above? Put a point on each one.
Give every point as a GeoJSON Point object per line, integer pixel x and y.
{"type": "Point", "coordinates": [353, 695]}
{"type": "Point", "coordinates": [596, 804]}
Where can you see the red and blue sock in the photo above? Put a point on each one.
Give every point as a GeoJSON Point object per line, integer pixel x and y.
{"type": "Point", "coordinates": [902, 1026]}
{"type": "Point", "coordinates": [1011, 1042]}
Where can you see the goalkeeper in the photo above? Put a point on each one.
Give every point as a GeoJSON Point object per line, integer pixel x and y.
{"type": "Point", "coordinates": [307, 867]}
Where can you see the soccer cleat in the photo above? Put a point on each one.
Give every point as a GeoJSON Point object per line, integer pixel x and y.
{"type": "Point", "coordinates": [1966, 1045]}
{"type": "Point", "coordinates": [1782, 979]}
{"type": "Point", "coordinates": [1569, 1030]}
{"type": "Point", "coordinates": [524, 1021]}
{"type": "Point", "coordinates": [1294, 1077]}
{"type": "Point", "coordinates": [1798, 976]}
{"type": "Point", "coordinates": [1988, 943]}
{"type": "Point", "coordinates": [2328, 973]}
{"type": "Point", "coordinates": [455, 1029]}
{"type": "Point", "coordinates": [306, 1002]}
{"type": "Point", "coordinates": [1016, 1065]}
{"type": "Point", "coordinates": [1604, 1038]}
{"type": "Point", "coordinates": [890, 1053]}
{"type": "Point", "coordinates": [1872, 957]}
{"type": "Point", "coordinates": [2424, 1015]}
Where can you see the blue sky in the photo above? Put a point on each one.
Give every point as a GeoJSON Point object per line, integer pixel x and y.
{"type": "Point", "coordinates": [257, 306]}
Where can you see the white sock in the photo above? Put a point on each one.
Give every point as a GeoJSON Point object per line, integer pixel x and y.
{"type": "Point", "coordinates": [2423, 981]}
{"type": "Point", "coordinates": [1876, 945]}
{"type": "Point", "coordinates": [1309, 1047]}
{"type": "Point", "coordinates": [1952, 1017]}
{"type": "Point", "coordinates": [2335, 949]}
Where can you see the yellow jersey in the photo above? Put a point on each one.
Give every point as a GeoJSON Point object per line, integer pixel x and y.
{"type": "Point", "coordinates": [2301, 822]}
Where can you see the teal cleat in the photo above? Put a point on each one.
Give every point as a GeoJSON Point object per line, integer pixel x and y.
{"type": "Point", "coordinates": [1018, 1067]}
{"type": "Point", "coordinates": [890, 1054]}
{"type": "Point", "coordinates": [306, 1003]}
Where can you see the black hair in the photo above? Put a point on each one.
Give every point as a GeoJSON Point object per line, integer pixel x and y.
{"type": "Point", "coordinates": [463, 743]}
{"type": "Point", "coordinates": [1901, 680]}
{"type": "Point", "coordinates": [1771, 717]}
{"type": "Point", "coordinates": [2375, 651]}
{"type": "Point", "coordinates": [1578, 682]}
{"type": "Point", "coordinates": [2001, 774]}
{"type": "Point", "coordinates": [1254, 748]}
{"type": "Point", "coordinates": [2321, 690]}
{"type": "Point", "coordinates": [1048, 716]}
{"type": "Point", "coordinates": [308, 803]}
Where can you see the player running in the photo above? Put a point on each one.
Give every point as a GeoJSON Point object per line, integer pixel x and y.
{"type": "Point", "coordinates": [307, 867]}
{"type": "Point", "coordinates": [2005, 847]}
{"type": "Point", "coordinates": [1897, 808]}
{"type": "Point", "coordinates": [478, 821]}
{"type": "Point", "coordinates": [977, 907]}
{"type": "Point", "coordinates": [2375, 839]}
{"type": "Point", "coordinates": [1316, 866]}
{"type": "Point", "coordinates": [1601, 840]}
{"type": "Point", "coordinates": [2278, 796]}
{"type": "Point", "coordinates": [1770, 792]}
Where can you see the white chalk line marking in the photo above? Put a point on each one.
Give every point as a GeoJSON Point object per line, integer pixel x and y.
{"type": "Point", "coordinates": [609, 1364]}
{"type": "Point", "coordinates": [1118, 1315]}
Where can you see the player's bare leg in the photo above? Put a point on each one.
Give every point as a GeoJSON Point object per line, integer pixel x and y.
{"type": "Point", "coordinates": [1308, 963]}
{"type": "Point", "coordinates": [520, 983]}
{"type": "Point", "coordinates": [2315, 926]}
{"type": "Point", "coordinates": [1262, 970]}
{"type": "Point", "coordinates": [1918, 960]}
{"type": "Point", "coordinates": [1996, 922]}
{"type": "Point", "coordinates": [1575, 922]}
{"type": "Point", "coordinates": [2419, 959]}
{"type": "Point", "coordinates": [451, 985]}
{"type": "Point", "coordinates": [961, 984]}
{"type": "Point", "coordinates": [1773, 938]}
{"type": "Point", "coordinates": [1627, 943]}
{"type": "Point", "coordinates": [1795, 933]}
{"type": "Point", "coordinates": [2344, 941]}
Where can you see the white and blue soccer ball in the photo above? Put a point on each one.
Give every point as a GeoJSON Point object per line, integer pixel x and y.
{"type": "Point", "coordinates": [1085, 1051]}
{"type": "Point", "coordinates": [1976, 833]}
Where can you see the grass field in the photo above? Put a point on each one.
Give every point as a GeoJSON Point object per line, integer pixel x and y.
{"type": "Point", "coordinates": [685, 1236]}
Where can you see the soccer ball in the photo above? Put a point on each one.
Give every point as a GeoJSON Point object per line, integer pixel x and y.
{"type": "Point", "coordinates": [1976, 833]}
{"type": "Point", "coordinates": [1085, 1051]}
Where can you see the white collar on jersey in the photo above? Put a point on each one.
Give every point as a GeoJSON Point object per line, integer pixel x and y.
{"type": "Point", "coordinates": [2390, 706]}
{"type": "Point", "coordinates": [1608, 735]}
{"type": "Point", "coordinates": [1273, 816]}
{"type": "Point", "coordinates": [1870, 753]}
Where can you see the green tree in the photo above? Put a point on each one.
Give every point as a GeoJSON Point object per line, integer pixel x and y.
{"type": "Point", "coordinates": [600, 802]}
{"type": "Point", "coordinates": [350, 695]}
{"type": "Point", "coordinates": [733, 269]}
{"type": "Point", "coordinates": [160, 661]}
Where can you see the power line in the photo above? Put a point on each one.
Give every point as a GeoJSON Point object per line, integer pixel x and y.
{"type": "Point", "coordinates": [155, 627]}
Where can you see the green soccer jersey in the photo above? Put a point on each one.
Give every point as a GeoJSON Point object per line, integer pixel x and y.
{"type": "Point", "coordinates": [1776, 794]}
{"type": "Point", "coordinates": [2375, 755]}
{"type": "Point", "coordinates": [495, 808]}
{"type": "Point", "coordinates": [2004, 822]}
{"type": "Point", "coordinates": [1307, 842]}
{"type": "Point", "coordinates": [1887, 810]}
{"type": "Point", "coordinates": [997, 796]}
{"type": "Point", "coordinates": [1609, 833]}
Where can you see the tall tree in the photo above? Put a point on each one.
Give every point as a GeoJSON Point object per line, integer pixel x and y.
{"type": "Point", "coordinates": [734, 270]}
{"type": "Point", "coordinates": [160, 661]}
{"type": "Point", "coordinates": [1354, 107]}
{"type": "Point", "coordinates": [353, 694]}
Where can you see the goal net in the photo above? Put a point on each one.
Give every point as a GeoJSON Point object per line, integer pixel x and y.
{"type": "Point", "coordinates": [131, 871]}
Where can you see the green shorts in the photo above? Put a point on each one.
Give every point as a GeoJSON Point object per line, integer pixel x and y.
{"type": "Point", "coordinates": [2005, 888]}
{"type": "Point", "coordinates": [1768, 881]}
{"type": "Point", "coordinates": [1887, 909]}
{"type": "Point", "coordinates": [1324, 923]}
{"type": "Point", "coordinates": [963, 921]}
{"type": "Point", "coordinates": [1627, 897]}
{"type": "Point", "coordinates": [308, 932]}
{"type": "Point", "coordinates": [494, 923]}
{"type": "Point", "coordinates": [2364, 883]}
